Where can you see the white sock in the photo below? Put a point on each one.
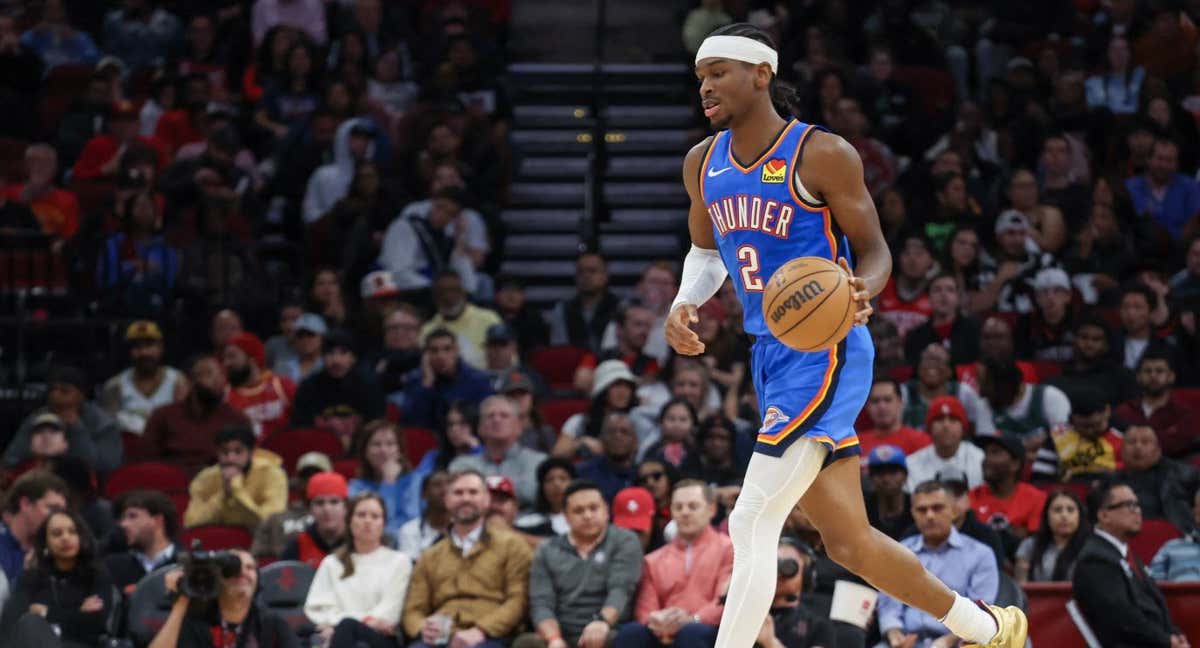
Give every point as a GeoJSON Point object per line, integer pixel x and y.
{"type": "Point", "coordinates": [969, 621]}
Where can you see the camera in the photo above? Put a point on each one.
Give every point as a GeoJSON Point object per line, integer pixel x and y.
{"type": "Point", "coordinates": [788, 567]}
{"type": "Point", "coordinates": [204, 571]}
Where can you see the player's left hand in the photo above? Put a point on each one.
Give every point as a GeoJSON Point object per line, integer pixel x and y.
{"type": "Point", "coordinates": [862, 296]}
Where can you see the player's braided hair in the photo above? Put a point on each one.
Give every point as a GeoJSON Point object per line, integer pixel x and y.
{"type": "Point", "coordinates": [784, 95]}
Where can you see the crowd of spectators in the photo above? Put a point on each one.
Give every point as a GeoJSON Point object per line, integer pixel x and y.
{"type": "Point", "coordinates": [291, 206]}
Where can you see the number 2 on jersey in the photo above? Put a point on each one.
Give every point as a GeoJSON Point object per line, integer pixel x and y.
{"type": "Point", "coordinates": [748, 256]}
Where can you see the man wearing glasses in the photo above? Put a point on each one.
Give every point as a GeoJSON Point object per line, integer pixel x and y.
{"type": "Point", "coordinates": [1116, 595]}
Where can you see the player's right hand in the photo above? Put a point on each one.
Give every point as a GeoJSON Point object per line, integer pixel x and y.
{"type": "Point", "coordinates": [679, 333]}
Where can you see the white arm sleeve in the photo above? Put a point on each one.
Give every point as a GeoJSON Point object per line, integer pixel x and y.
{"type": "Point", "coordinates": [703, 274]}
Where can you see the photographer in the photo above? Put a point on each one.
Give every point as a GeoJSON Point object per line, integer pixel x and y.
{"type": "Point", "coordinates": [790, 624]}
{"type": "Point", "coordinates": [235, 621]}
{"type": "Point", "coordinates": [65, 598]}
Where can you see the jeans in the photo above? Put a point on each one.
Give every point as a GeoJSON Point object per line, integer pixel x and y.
{"type": "Point", "coordinates": [691, 635]}
{"type": "Point", "coordinates": [350, 633]}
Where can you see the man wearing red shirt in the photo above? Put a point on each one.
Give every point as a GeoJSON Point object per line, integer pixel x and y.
{"type": "Point", "coordinates": [326, 494]}
{"type": "Point", "coordinates": [905, 299]}
{"type": "Point", "coordinates": [101, 156]}
{"type": "Point", "coordinates": [57, 210]}
{"type": "Point", "coordinates": [1173, 422]}
{"type": "Point", "coordinates": [884, 406]}
{"type": "Point", "coordinates": [679, 597]}
{"type": "Point", "coordinates": [1003, 501]}
{"type": "Point", "coordinates": [266, 399]}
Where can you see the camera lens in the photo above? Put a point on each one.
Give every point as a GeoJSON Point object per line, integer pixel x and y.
{"type": "Point", "coordinates": [788, 567]}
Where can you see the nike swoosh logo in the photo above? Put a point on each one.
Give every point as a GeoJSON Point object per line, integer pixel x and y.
{"type": "Point", "coordinates": [711, 174]}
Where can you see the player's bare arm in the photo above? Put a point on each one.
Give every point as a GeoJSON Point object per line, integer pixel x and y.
{"type": "Point", "coordinates": [678, 325]}
{"type": "Point", "coordinates": [833, 171]}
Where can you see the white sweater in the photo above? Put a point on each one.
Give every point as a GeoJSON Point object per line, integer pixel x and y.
{"type": "Point", "coordinates": [376, 589]}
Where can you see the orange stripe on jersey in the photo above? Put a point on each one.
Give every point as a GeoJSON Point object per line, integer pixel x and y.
{"type": "Point", "coordinates": [778, 140]}
{"type": "Point", "coordinates": [822, 393]}
{"type": "Point", "coordinates": [704, 164]}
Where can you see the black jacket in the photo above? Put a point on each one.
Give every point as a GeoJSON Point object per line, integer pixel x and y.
{"type": "Point", "coordinates": [964, 340]}
{"type": "Point", "coordinates": [62, 593]}
{"type": "Point", "coordinates": [1121, 609]}
{"type": "Point", "coordinates": [323, 395]}
{"type": "Point", "coordinates": [127, 570]}
{"type": "Point", "coordinates": [1165, 491]}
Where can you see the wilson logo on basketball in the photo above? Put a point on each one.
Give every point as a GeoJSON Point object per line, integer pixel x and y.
{"type": "Point", "coordinates": [800, 296]}
{"type": "Point", "coordinates": [774, 171]}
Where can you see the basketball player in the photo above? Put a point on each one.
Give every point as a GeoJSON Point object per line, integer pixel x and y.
{"type": "Point", "coordinates": [766, 190]}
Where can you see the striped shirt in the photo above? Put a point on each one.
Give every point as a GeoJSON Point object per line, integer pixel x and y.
{"type": "Point", "coordinates": [1178, 560]}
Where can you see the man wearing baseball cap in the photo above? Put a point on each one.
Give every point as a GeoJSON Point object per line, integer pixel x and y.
{"type": "Point", "coordinates": [887, 503]}
{"type": "Point", "coordinates": [946, 422]}
{"type": "Point", "coordinates": [504, 507]}
{"type": "Point", "coordinates": [503, 359]}
{"type": "Point", "coordinates": [633, 509]}
{"type": "Point", "coordinates": [265, 399]}
{"type": "Point", "coordinates": [92, 434]}
{"type": "Point", "coordinates": [1003, 500]}
{"type": "Point", "coordinates": [326, 494]}
{"type": "Point", "coordinates": [273, 535]}
{"type": "Point", "coordinates": [1045, 332]}
{"type": "Point", "coordinates": [1086, 447]}
{"type": "Point", "coordinates": [338, 387]}
{"type": "Point", "coordinates": [308, 337]}
{"type": "Point", "coordinates": [131, 395]}
{"type": "Point", "coordinates": [1006, 277]}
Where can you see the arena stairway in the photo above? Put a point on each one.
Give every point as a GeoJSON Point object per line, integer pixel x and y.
{"type": "Point", "coordinates": [647, 127]}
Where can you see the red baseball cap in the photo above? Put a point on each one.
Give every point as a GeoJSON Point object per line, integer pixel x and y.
{"type": "Point", "coordinates": [944, 406]}
{"type": "Point", "coordinates": [251, 346]}
{"type": "Point", "coordinates": [633, 509]}
{"type": "Point", "coordinates": [499, 484]}
{"type": "Point", "coordinates": [326, 484]}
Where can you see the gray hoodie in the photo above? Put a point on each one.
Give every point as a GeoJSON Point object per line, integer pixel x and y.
{"type": "Point", "coordinates": [331, 182]}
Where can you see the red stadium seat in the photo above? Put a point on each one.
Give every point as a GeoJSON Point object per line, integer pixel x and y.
{"type": "Point", "coordinates": [1189, 396]}
{"type": "Point", "coordinates": [290, 444]}
{"type": "Point", "coordinates": [347, 468]}
{"type": "Point", "coordinates": [150, 475]}
{"type": "Point", "coordinates": [1047, 370]}
{"type": "Point", "coordinates": [217, 537]}
{"type": "Point", "coordinates": [1154, 534]}
{"type": "Point", "coordinates": [418, 441]}
{"type": "Point", "coordinates": [557, 365]}
{"type": "Point", "coordinates": [556, 412]}
{"type": "Point", "coordinates": [180, 500]}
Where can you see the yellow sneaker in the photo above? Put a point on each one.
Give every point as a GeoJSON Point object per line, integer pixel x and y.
{"type": "Point", "coordinates": [1014, 627]}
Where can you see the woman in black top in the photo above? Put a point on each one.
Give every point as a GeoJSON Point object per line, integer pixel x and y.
{"type": "Point", "coordinates": [67, 589]}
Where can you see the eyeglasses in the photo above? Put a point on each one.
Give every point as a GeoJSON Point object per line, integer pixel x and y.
{"type": "Point", "coordinates": [1132, 505]}
{"type": "Point", "coordinates": [651, 476]}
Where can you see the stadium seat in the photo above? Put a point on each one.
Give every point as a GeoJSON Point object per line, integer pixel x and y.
{"type": "Point", "coordinates": [417, 442]}
{"type": "Point", "coordinates": [1189, 396]}
{"type": "Point", "coordinates": [148, 606]}
{"type": "Point", "coordinates": [283, 586]}
{"type": "Point", "coordinates": [1154, 534]}
{"type": "Point", "coordinates": [215, 536]}
{"type": "Point", "coordinates": [151, 475]}
{"type": "Point", "coordinates": [347, 468]}
{"type": "Point", "coordinates": [1047, 370]}
{"type": "Point", "coordinates": [557, 365]}
{"type": "Point", "coordinates": [555, 412]}
{"type": "Point", "coordinates": [290, 444]}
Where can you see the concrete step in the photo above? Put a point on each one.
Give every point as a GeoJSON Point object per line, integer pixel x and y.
{"type": "Point", "coordinates": [541, 245]}
{"type": "Point", "coordinates": [552, 116]}
{"type": "Point", "coordinates": [645, 220]}
{"type": "Point", "coordinates": [645, 166]}
{"type": "Point", "coordinates": [546, 194]}
{"type": "Point", "coordinates": [643, 116]}
{"type": "Point", "coordinates": [655, 245]}
{"type": "Point", "coordinates": [541, 220]}
{"type": "Point", "coordinates": [645, 194]}
{"type": "Point", "coordinates": [552, 141]}
{"type": "Point", "coordinates": [564, 269]}
{"type": "Point", "coordinates": [552, 167]}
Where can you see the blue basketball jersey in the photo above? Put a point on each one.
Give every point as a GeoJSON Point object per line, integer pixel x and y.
{"type": "Point", "coordinates": [760, 222]}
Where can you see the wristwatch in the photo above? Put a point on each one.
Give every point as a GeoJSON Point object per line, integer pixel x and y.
{"type": "Point", "coordinates": [600, 617]}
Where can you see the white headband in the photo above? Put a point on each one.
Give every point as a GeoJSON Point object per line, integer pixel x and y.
{"type": "Point", "coordinates": [738, 48]}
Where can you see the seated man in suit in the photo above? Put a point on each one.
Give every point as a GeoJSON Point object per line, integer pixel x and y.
{"type": "Point", "coordinates": [1119, 600]}
{"type": "Point", "coordinates": [148, 521]}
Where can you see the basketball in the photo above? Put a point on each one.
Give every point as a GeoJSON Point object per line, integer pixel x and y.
{"type": "Point", "coordinates": [808, 304]}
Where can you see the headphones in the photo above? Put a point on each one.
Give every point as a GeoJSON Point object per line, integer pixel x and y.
{"type": "Point", "coordinates": [810, 566]}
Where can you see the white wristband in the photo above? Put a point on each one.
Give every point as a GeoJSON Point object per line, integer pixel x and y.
{"type": "Point", "coordinates": [703, 273]}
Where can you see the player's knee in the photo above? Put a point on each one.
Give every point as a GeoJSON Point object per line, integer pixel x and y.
{"type": "Point", "coordinates": [749, 509]}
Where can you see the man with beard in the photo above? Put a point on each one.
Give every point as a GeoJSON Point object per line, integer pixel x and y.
{"type": "Point", "coordinates": [135, 392]}
{"type": "Point", "coordinates": [1172, 421]}
{"type": "Point", "coordinates": [1164, 194]}
{"type": "Point", "coordinates": [470, 589]}
{"type": "Point", "coordinates": [338, 397]}
{"type": "Point", "coordinates": [1005, 502]}
{"type": "Point", "coordinates": [241, 489]}
{"type": "Point", "coordinates": [1092, 366]}
{"type": "Point", "coordinates": [184, 432]}
{"type": "Point", "coordinates": [265, 399]}
{"type": "Point", "coordinates": [442, 378]}
{"type": "Point", "coordinates": [148, 521]}
{"type": "Point", "coordinates": [465, 320]}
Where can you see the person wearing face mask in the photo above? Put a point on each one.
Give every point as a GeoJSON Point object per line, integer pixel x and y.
{"type": "Point", "coordinates": [358, 592]}
{"type": "Point", "coordinates": [241, 489]}
{"type": "Point", "coordinates": [265, 399]}
{"type": "Point", "coordinates": [65, 598]}
{"type": "Point", "coordinates": [234, 621]}
{"type": "Point", "coordinates": [184, 432]}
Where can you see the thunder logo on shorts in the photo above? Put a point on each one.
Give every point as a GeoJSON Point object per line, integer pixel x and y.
{"type": "Point", "coordinates": [760, 222]}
